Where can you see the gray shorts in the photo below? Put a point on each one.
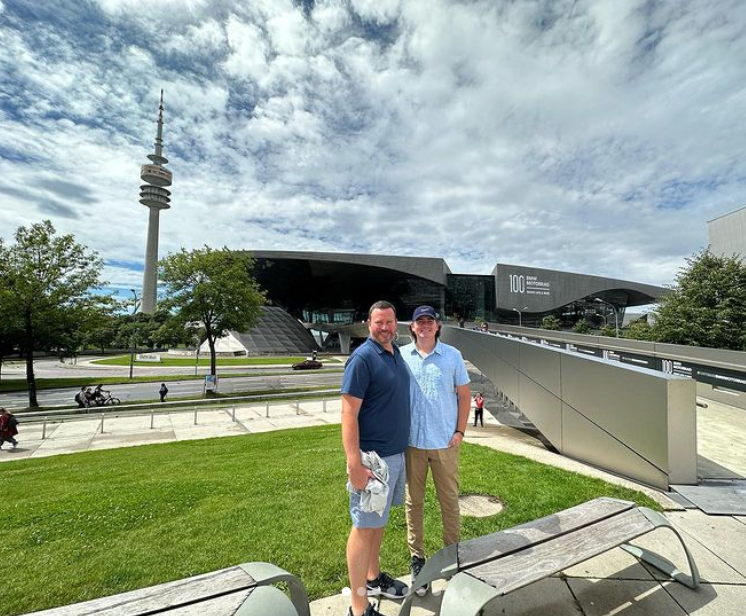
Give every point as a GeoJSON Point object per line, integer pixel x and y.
{"type": "Point", "coordinates": [397, 480]}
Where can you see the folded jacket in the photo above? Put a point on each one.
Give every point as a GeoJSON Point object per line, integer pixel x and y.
{"type": "Point", "coordinates": [374, 496]}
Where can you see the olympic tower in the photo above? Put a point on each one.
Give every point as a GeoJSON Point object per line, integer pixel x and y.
{"type": "Point", "coordinates": [155, 197]}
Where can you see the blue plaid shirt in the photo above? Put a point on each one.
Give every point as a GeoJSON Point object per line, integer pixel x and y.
{"type": "Point", "coordinates": [433, 396]}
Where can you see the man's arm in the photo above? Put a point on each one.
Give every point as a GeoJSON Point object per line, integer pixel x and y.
{"type": "Point", "coordinates": [463, 395]}
{"type": "Point", "coordinates": [356, 472]}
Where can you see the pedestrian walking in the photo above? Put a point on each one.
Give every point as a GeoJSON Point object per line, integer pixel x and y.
{"type": "Point", "coordinates": [479, 409]}
{"type": "Point", "coordinates": [8, 428]}
{"type": "Point", "coordinates": [162, 392]}
{"type": "Point", "coordinates": [81, 398]}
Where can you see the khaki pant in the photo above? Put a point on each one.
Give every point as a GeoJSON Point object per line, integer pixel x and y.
{"type": "Point", "coordinates": [444, 465]}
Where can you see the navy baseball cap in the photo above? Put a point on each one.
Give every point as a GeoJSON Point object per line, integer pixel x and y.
{"type": "Point", "coordinates": [424, 311]}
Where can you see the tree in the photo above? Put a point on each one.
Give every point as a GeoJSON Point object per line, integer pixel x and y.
{"type": "Point", "coordinates": [707, 306]}
{"type": "Point", "coordinates": [213, 289]}
{"type": "Point", "coordinates": [640, 330]}
{"type": "Point", "coordinates": [101, 328]}
{"type": "Point", "coordinates": [10, 327]}
{"type": "Point", "coordinates": [47, 280]}
{"type": "Point", "coordinates": [550, 322]}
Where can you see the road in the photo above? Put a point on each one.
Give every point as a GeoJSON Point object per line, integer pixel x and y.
{"type": "Point", "coordinates": [88, 371]}
{"type": "Point", "coordinates": [177, 389]}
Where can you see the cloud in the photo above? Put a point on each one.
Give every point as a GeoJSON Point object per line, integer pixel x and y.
{"type": "Point", "coordinates": [596, 137]}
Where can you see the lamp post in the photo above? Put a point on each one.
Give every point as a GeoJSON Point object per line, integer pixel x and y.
{"type": "Point", "coordinates": [520, 315]}
{"type": "Point", "coordinates": [613, 307]}
{"type": "Point", "coordinates": [135, 305]}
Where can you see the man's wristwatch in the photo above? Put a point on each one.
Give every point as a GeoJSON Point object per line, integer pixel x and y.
{"type": "Point", "coordinates": [459, 432]}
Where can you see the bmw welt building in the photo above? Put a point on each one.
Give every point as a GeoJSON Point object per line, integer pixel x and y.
{"type": "Point", "coordinates": [337, 289]}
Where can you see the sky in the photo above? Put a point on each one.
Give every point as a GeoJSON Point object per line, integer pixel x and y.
{"type": "Point", "coordinates": [588, 136]}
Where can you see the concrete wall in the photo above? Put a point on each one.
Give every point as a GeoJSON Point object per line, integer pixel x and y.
{"type": "Point", "coordinates": [727, 234]}
{"type": "Point", "coordinates": [727, 363]}
{"type": "Point", "coordinates": [631, 421]}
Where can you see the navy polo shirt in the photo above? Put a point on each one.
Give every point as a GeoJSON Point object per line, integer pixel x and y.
{"type": "Point", "coordinates": [381, 380]}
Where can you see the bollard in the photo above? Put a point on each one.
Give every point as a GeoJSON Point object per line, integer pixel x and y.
{"type": "Point", "coordinates": [44, 429]}
{"type": "Point", "coordinates": [102, 423]}
{"type": "Point", "coordinates": [233, 415]}
{"type": "Point", "coordinates": [324, 407]}
{"type": "Point", "coordinates": [152, 418]}
{"type": "Point", "coordinates": [297, 407]}
{"type": "Point", "coordinates": [267, 408]}
{"type": "Point", "coordinates": [195, 416]}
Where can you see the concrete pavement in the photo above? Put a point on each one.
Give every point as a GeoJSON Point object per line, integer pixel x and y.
{"type": "Point", "coordinates": [614, 583]}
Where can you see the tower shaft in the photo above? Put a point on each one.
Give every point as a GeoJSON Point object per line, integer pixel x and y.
{"type": "Point", "coordinates": [155, 197]}
{"type": "Point", "coordinates": [150, 277]}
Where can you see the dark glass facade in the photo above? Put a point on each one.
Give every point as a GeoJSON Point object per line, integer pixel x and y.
{"type": "Point", "coordinates": [333, 292]}
{"type": "Point", "coordinates": [471, 297]}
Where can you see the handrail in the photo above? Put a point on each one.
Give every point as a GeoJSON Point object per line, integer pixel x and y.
{"type": "Point", "coordinates": [154, 409]}
{"type": "Point", "coordinates": [163, 407]}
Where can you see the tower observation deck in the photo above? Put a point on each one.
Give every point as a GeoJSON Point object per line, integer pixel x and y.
{"type": "Point", "coordinates": [155, 197]}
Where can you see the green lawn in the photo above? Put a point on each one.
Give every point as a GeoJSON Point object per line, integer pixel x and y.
{"type": "Point", "coordinates": [124, 360]}
{"type": "Point", "coordinates": [81, 526]}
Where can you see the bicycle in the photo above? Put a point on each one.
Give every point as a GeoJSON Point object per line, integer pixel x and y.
{"type": "Point", "coordinates": [107, 400]}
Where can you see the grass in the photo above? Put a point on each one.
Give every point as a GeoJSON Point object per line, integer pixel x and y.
{"type": "Point", "coordinates": [124, 360]}
{"type": "Point", "coordinates": [81, 526]}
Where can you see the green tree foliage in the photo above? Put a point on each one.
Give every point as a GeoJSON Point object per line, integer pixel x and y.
{"type": "Point", "coordinates": [707, 307]}
{"type": "Point", "coordinates": [211, 289]}
{"type": "Point", "coordinates": [640, 330]}
{"type": "Point", "coordinates": [550, 322]}
{"type": "Point", "coordinates": [101, 329]}
{"type": "Point", "coordinates": [151, 331]}
{"type": "Point", "coordinates": [608, 330]}
{"type": "Point", "coordinates": [47, 283]}
{"type": "Point", "coordinates": [10, 325]}
{"type": "Point", "coordinates": [581, 327]}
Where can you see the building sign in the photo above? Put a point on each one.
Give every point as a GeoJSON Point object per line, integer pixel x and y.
{"type": "Point", "coordinates": [154, 357]}
{"type": "Point", "coordinates": [529, 285]}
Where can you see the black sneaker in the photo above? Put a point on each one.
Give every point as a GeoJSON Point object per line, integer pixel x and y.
{"type": "Point", "coordinates": [417, 564]}
{"type": "Point", "coordinates": [369, 611]}
{"type": "Point", "coordinates": [386, 586]}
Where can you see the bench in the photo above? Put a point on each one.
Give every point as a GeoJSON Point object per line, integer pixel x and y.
{"type": "Point", "coordinates": [244, 590]}
{"type": "Point", "coordinates": [494, 565]}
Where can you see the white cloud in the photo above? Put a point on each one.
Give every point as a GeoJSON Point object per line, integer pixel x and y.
{"type": "Point", "coordinates": [597, 137]}
{"type": "Point", "coordinates": [379, 11]}
{"type": "Point", "coordinates": [248, 50]}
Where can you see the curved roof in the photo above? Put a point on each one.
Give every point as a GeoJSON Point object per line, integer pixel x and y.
{"type": "Point", "coordinates": [432, 269]}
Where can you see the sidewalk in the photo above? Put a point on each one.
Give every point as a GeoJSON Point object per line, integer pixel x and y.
{"type": "Point", "coordinates": [614, 583]}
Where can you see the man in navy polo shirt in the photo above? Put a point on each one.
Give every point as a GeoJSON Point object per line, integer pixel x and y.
{"type": "Point", "coordinates": [375, 418]}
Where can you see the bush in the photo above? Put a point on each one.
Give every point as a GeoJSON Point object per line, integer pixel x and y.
{"type": "Point", "coordinates": [550, 322]}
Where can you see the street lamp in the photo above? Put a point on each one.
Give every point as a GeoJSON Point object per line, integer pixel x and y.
{"type": "Point", "coordinates": [135, 306]}
{"type": "Point", "coordinates": [520, 315]}
{"type": "Point", "coordinates": [613, 307]}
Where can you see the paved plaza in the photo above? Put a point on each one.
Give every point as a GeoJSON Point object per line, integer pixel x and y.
{"type": "Point", "coordinates": [614, 583]}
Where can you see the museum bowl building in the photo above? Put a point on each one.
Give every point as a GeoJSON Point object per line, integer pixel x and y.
{"type": "Point", "coordinates": [336, 289]}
